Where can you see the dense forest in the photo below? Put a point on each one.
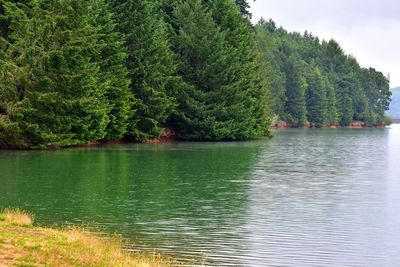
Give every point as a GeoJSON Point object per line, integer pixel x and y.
{"type": "Point", "coordinates": [78, 71]}
{"type": "Point", "coordinates": [314, 81]}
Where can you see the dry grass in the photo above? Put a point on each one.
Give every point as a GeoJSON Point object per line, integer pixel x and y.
{"type": "Point", "coordinates": [22, 244]}
{"type": "Point", "coordinates": [18, 217]}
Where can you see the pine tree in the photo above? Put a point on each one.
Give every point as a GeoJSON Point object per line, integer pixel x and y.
{"type": "Point", "coordinates": [244, 8]}
{"type": "Point", "coordinates": [151, 66]}
{"type": "Point", "coordinates": [267, 46]}
{"type": "Point", "coordinates": [213, 106]}
{"type": "Point", "coordinates": [377, 95]}
{"type": "Point", "coordinates": [58, 94]}
{"type": "Point", "coordinates": [296, 87]}
{"type": "Point", "coordinates": [251, 72]}
{"type": "Point", "coordinates": [346, 110]}
{"type": "Point", "coordinates": [113, 73]}
{"type": "Point", "coordinates": [331, 112]}
{"type": "Point", "coordinates": [344, 102]}
{"type": "Point", "coordinates": [316, 98]}
{"type": "Point", "coordinates": [4, 20]}
{"type": "Point", "coordinates": [203, 55]}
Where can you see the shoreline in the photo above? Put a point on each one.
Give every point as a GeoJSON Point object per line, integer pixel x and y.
{"type": "Point", "coordinates": [354, 125]}
{"type": "Point", "coordinates": [23, 244]}
{"type": "Point", "coordinates": [172, 138]}
{"type": "Point", "coordinates": [329, 127]}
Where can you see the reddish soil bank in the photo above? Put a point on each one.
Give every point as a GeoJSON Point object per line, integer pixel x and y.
{"type": "Point", "coordinates": [166, 136]}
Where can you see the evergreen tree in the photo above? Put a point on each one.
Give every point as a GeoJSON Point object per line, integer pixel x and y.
{"type": "Point", "coordinates": [113, 73]}
{"type": "Point", "coordinates": [4, 20]}
{"type": "Point", "coordinates": [345, 102]}
{"type": "Point", "coordinates": [267, 45]}
{"type": "Point", "coordinates": [151, 66]}
{"type": "Point", "coordinates": [346, 110]}
{"type": "Point", "coordinates": [244, 8]}
{"type": "Point", "coordinates": [71, 72]}
{"type": "Point", "coordinates": [341, 74]}
{"type": "Point", "coordinates": [250, 70]}
{"type": "Point", "coordinates": [213, 105]}
{"type": "Point", "coordinates": [57, 95]}
{"type": "Point", "coordinates": [316, 98]}
{"type": "Point", "coordinates": [331, 112]}
{"type": "Point", "coordinates": [296, 87]}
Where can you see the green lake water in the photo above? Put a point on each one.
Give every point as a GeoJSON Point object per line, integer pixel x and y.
{"type": "Point", "coordinates": [321, 197]}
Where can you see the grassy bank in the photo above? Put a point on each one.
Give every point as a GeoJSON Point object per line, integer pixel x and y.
{"type": "Point", "coordinates": [22, 244]}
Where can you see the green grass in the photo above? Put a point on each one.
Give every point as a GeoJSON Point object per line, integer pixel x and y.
{"type": "Point", "coordinates": [22, 244]}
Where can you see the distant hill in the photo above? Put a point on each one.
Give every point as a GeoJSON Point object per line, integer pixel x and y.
{"type": "Point", "coordinates": [394, 110]}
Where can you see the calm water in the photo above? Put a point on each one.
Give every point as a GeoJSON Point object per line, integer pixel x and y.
{"type": "Point", "coordinates": [305, 198]}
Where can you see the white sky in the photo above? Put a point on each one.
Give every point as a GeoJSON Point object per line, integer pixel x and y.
{"type": "Point", "coordinates": [368, 30]}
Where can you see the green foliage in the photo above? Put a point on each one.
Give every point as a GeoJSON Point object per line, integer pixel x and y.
{"type": "Point", "coordinates": [337, 90]}
{"type": "Point", "coordinates": [113, 73]}
{"type": "Point", "coordinates": [331, 109]}
{"type": "Point", "coordinates": [222, 100]}
{"type": "Point", "coordinates": [78, 71]}
{"type": "Point", "coordinates": [316, 98]}
{"type": "Point", "coordinates": [296, 86]}
{"type": "Point", "coordinates": [244, 8]}
{"type": "Point", "coordinates": [346, 111]}
{"type": "Point", "coordinates": [276, 78]}
{"type": "Point", "coordinates": [151, 66]}
{"type": "Point", "coordinates": [4, 20]}
{"type": "Point", "coordinates": [56, 91]}
{"type": "Point", "coordinates": [250, 72]}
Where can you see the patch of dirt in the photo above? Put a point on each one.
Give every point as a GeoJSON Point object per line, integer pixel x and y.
{"type": "Point", "coordinates": [9, 252]}
{"type": "Point", "coordinates": [28, 232]}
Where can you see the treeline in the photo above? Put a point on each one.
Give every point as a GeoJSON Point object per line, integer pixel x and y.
{"type": "Point", "coordinates": [77, 71]}
{"type": "Point", "coordinates": [315, 82]}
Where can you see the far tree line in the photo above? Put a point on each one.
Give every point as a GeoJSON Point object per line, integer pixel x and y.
{"type": "Point", "coordinates": [77, 71]}
{"type": "Point", "coordinates": [315, 81]}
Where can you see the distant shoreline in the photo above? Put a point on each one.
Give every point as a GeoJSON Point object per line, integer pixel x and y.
{"type": "Point", "coordinates": [354, 125]}
{"type": "Point", "coordinates": [174, 139]}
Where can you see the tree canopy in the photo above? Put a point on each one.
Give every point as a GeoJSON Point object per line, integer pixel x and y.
{"type": "Point", "coordinates": [315, 81]}
{"type": "Point", "coordinates": [80, 71]}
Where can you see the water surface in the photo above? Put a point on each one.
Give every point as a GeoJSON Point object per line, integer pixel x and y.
{"type": "Point", "coordinates": [322, 197]}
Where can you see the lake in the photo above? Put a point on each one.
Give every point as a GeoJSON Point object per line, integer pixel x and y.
{"type": "Point", "coordinates": [307, 197]}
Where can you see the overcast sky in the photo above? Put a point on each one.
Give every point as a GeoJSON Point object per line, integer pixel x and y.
{"type": "Point", "coordinates": [368, 30]}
